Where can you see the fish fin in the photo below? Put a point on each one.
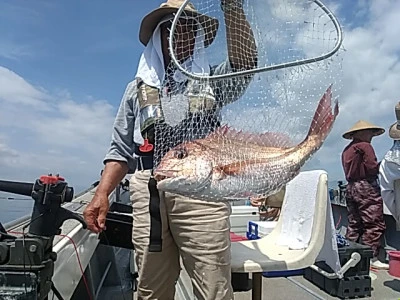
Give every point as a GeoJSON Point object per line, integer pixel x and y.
{"type": "Point", "coordinates": [219, 174]}
{"type": "Point", "coordinates": [231, 169]}
{"type": "Point", "coordinates": [323, 119]}
{"type": "Point", "coordinates": [235, 168]}
{"type": "Point", "coordinates": [267, 139]}
{"type": "Point", "coordinates": [226, 170]}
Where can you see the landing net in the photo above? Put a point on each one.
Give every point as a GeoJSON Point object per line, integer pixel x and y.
{"type": "Point", "coordinates": [298, 47]}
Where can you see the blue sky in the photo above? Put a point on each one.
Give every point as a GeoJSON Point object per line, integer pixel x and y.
{"type": "Point", "coordinates": [88, 47]}
{"type": "Point", "coordinates": [64, 66]}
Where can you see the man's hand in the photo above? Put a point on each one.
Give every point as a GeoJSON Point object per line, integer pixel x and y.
{"type": "Point", "coordinates": [257, 202]}
{"type": "Point", "coordinates": [96, 212]}
{"type": "Point", "coordinates": [271, 214]}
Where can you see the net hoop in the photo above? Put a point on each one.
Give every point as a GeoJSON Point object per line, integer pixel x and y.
{"type": "Point", "coordinates": [300, 62]}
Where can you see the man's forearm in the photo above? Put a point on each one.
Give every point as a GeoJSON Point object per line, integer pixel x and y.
{"type": "Point", "coordinates": [113, 173]}
{"type": "Point", "coordinates": [242, 50]}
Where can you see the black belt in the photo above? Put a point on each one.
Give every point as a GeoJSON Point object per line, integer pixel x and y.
{"type": "Point", "coordinates": [155, 244]}
{"type": "Point", "coordinates": [145, 163]}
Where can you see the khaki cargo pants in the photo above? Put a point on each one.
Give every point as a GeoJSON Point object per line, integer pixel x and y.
{"type": "Point", "coordinates": [197, 231]}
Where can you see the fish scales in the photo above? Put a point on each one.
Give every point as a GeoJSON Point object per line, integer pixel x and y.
{"type": "Point", "coordinates": [230, 164]}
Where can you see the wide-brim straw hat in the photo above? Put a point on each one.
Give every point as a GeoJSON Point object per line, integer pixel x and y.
{"type": "Point", "coordinates": [363, 125]}
{"type": "Point", "coordinates": [394, 131]}
{"type": "Point", "coordinates": [150, 21]}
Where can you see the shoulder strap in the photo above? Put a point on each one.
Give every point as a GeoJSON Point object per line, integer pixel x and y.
{"type": "Point", "coordinates": [155, 217]}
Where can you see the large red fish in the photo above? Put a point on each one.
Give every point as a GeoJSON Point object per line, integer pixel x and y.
{"type": "Point", "coordinates": [228, 164]}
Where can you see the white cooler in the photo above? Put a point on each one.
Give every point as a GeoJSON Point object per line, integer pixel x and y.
{"type": "Point", "coordinates": [258, 229]}
{"type": "Point", "coordinates": [240, 217]}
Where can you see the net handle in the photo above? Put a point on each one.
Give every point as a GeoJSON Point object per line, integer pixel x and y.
{"type": "Point", "coordinates": [256, 70]}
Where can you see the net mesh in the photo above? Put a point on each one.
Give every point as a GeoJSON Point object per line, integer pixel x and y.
{"type": "Point", "coordinates": [230, 126]}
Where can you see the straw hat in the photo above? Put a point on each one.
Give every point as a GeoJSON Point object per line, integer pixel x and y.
{"type": "Point", "coordinates": [150, 21]}
{"type": "Point", "coordinates": [363, 125]}
{"type": "Point", "coordinates": [394, 131]}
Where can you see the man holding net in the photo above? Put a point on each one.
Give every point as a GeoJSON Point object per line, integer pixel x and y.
{"type": "Point", "coordinates": [195, 230]}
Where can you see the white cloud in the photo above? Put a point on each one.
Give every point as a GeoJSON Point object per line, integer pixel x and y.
{"type": "Point", "coordinates": [8, 156]}
{"type": "Point", "coordinates": [370, 81]}
{"type": "Point", "coordinates": [14, 51]}
{"type": "Point", "coordinates": [44, 132]}
{"type": "Point", "coordinates": [16, 90]}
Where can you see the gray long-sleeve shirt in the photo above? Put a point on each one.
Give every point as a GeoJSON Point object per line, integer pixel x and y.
{"type": "Point", "coordinates": [126, 130]}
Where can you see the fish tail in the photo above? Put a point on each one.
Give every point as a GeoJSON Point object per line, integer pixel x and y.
{"type": "Point", "coordinates": [323, 119]}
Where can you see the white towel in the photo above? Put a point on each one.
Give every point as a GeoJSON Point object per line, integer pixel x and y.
{"type": "Point", "coordinates": [298, 216]}
{"type": "Point", "coordinates": [151, 67]}
{"type": "Point", "coordinates": [329, 252]}
{"type": "Point", "coordinates": [298, 210]}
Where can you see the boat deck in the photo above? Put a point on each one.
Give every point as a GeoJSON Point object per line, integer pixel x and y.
{"type": "Point", "coordinates": [105, 263]}
{"type": "Point", "coordinates": [385, 287]}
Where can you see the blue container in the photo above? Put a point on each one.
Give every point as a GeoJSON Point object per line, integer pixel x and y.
{"type": "Point", "coordinates": [252, 231]}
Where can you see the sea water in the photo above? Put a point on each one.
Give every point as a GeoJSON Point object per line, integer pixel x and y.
{"type": "Point", "coordinates": [13, 207]}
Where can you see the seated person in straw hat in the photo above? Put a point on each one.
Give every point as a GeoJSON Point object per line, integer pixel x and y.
{"type": "Point", "coordinates": [196, 231]}
{"type": "Point", "coordinates": [389, 171]}
{"type": "Point", "coordinates": [363, 196]}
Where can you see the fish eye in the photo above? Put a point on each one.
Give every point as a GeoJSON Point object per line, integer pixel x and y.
{"type": "Point", "coordinates": [181, 153]}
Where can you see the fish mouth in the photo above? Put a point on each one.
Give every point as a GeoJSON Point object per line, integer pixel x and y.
{"type": "Point", "coordinates": [160, 175]}
{"type": "Point", "coordinates": [180, 181]}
